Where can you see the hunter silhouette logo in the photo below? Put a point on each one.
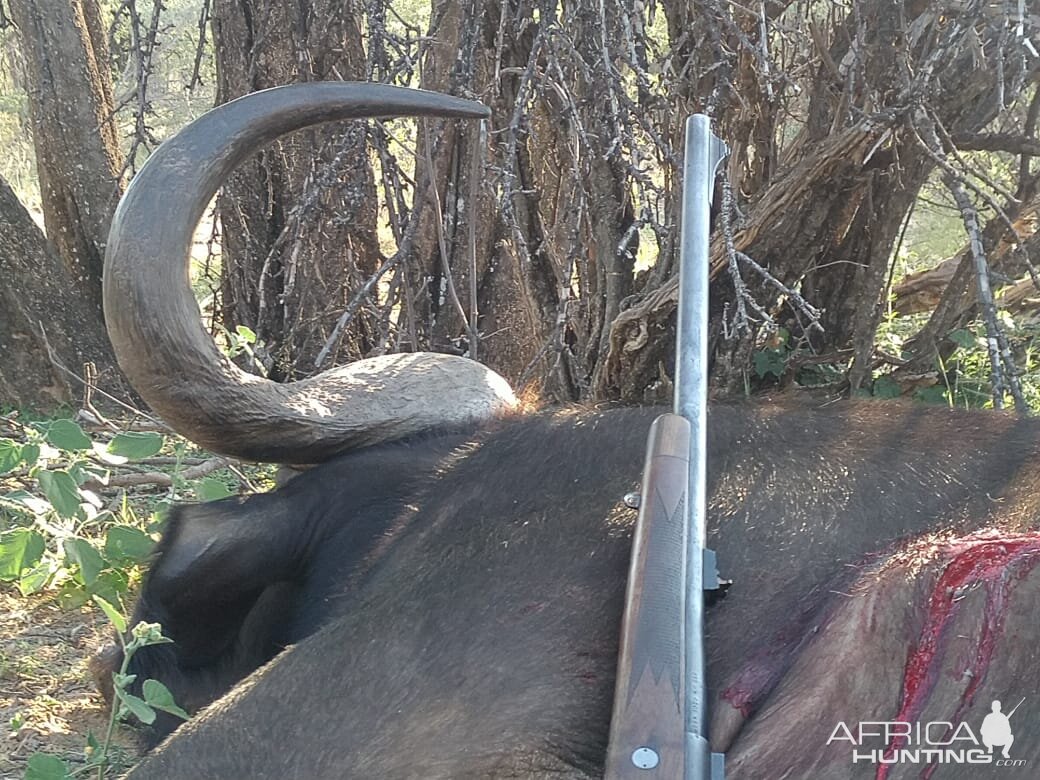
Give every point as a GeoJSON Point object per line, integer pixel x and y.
{"type": "Point", "coordinates": [886, 743]}
{"type": "Point", "coordinates": [996, 729]}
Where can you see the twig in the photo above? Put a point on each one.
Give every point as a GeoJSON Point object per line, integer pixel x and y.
{"type": "Point", "coordinates": [996, 341]}
{"type": "Point", "coordinates": [159, 478]}
{"type": "Point", "coordinates": [56, 362]}
{"type": "Point", "coordinates": [442, 245]}
{"type": "Point", "coordinates": [1002, 365]}
{"type": "Point", "coordinates": [200, 48]}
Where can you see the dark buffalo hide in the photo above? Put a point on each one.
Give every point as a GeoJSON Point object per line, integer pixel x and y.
{"type": "Point", "coordinates": [450, 606]}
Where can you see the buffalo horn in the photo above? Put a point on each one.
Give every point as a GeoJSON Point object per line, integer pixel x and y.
{"type": "Point", "coordinates": [165, 351]}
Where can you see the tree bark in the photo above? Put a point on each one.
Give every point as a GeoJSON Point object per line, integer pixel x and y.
{"type": "Point", "coordinates": [582, 178]}
{"type": "Point", "coordinates": [77, 153]}
{"type": "Point", "coordinates": [822, 208]}
{"type": "Point", "coordinates": [514, 299]}
{"type": "Point", "coordinates": [299, 220]}
{"type": "Point", "coordinates": [555, 208]}
{"type": "Point", "coordinates": [46, 324]}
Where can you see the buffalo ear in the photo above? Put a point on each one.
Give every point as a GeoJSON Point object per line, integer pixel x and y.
{"type": "Point", "coordinates": [222, 585]}
{"type": "Point", "coordinates": [222, 552]}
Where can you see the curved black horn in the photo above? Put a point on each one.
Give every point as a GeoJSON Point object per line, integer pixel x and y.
{"type": "Point", "coordinates": [154, 323]}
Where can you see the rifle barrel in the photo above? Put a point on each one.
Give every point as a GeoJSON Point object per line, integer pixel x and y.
{"type": "Point", "coordinates": [704, 151]}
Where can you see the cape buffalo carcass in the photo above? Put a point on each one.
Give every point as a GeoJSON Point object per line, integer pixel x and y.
{"type": "Point", "coordinates": [442, 597]}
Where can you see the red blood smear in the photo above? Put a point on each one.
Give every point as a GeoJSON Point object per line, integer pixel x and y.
{"type": "Point", "coordinates": [988, 558]}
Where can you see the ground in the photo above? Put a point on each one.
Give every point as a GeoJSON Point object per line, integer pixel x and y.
{"type": "Point", "coordinates": [48, 702]}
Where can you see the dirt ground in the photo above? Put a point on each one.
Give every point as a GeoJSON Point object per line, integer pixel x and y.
{"type": "Point", "coordinates": [47, 699]}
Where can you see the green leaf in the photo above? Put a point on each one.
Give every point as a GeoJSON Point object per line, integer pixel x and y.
{"type": "Point", "coordinates": [246, 334]}
{"type": "Point", "coordinates": [35, 579]}
{"type": "Point", "coordinates": [886, 387]}
{"type": "Point", "coordinates": [137, 706]}
{"type": "Point", "coordinates": [963, 338]}
{"type": "Point", "coordinates": [10, 455]}
{"type": "Point", "coordinates": [71, 595]}
{"type": "Point", "coordinates": [159, 696]}
{"type": "Point", "coordinates": [79, 474]}
{"type": "Point", "coordinates": [67, 435]}
{"type": "Point", "coordinates": [115, 617]}
{"type": "Point", "coordinates": [126, 543]}
{"type": "Point", "coordinates": [936, 394]}
{"type": "Point", "coordinates": [94, 754]}
{"type": "Point", "coordinates": [111, 585]}
{"type": "Point", "coordinates": [146, 634]}
{"type": "Point", "coordinates": [20, 549]}
{"type": "Point", "coordinates": [769, 361]}
{"type": "Point", "coordinates": [211, 489]}
{"type": "Point", "coordinates": [43, 766]}
{"type": "Point", "coordinates": [83, 554]}
{"type": "Point", "coordinates": [135, 445]}
{"type": "Point", "coordinates": [123, 681]}
{"type": "Point", "coordinates": [30, 454]}
{"type": "Point", "coordinates": [61, 490]}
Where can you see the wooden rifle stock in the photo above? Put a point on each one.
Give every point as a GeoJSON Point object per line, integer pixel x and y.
{"type": "Point", "coordinates": [647, 733]}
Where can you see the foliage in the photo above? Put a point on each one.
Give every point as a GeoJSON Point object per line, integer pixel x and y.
{"type": "Point", "coordinates": [961, 380]}
{"type": "Point", "coordinates": [64, 527]}
{"type": "Point", "coordinates": [156, 696]}
{"type": "Point", "coordinates": [171, 103]}
{"type": "Point", "coordinates": [557, 60]}
{"type": "Point", "coordinates": [71, 530]}
{"type": "Point", "coordinates": [58, 533]}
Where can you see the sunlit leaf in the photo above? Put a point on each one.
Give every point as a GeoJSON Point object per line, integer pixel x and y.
{"type": "Point", "coordinates": [27, 500]}
{"type": "Point", "coordinates": [20, 549]}
{"type": "Point", "coordinates": [61, 490]}
{"type": "Point", "coordinates": [83, 554]}
{"type": "Point", "coordinates": [72, 596]}
{"type": "Point", "coordinates": [35, 579]}
{"type": "Point", "coordinates": [246, 334]}
{"type": "Point", "coordinates": [102, 453]}
{"type": "Point", "coordinates": [67, 435]}
{"type": "Point", "coordinates": [135, 445]}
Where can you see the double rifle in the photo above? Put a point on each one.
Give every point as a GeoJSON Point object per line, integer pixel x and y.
{"type": "Point", "coordinates": [659, 728]}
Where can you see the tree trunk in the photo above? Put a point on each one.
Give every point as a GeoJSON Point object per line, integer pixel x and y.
{"type": "Point", "coordinates": [553, 262]}
{"type": "Point", "coordinates": [45, 322]}
{"type": "Point", "coordinates": [572, 291]}
{"type": "Point", "coordinates": [77, 153]}
{"type": "Point", "coordinates": [299, 219]}
{"type": "Point", "coordinates": [823, 207]}
{"type": "Point", "coordinates": [514, 298]}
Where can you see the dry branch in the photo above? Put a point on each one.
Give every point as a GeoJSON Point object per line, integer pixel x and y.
{"type": "Point", "coordinates": [159, 478]}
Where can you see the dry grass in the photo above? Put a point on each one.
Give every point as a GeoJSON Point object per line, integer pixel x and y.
{"type": "Point", "coordinates": [48, 702]}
